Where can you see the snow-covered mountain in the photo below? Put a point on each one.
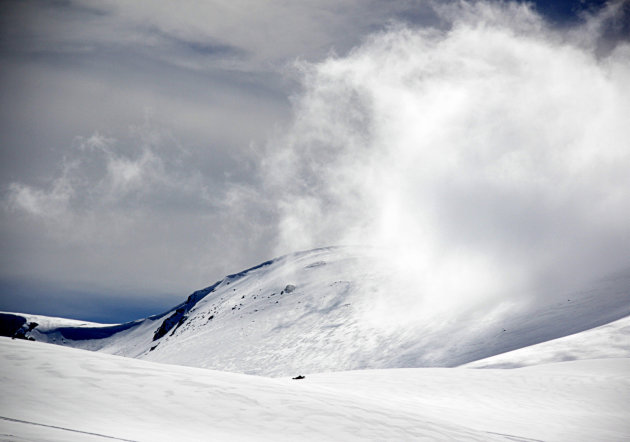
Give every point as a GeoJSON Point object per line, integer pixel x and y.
{"type": "Point", "coordinates": [322, 313]}
{"type": "Point", "coordinates": [317, 311]}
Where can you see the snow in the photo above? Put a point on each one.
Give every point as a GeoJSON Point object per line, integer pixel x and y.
{"type": "Point", "coordinates": [556, 369]}
{"type": "Point", "coordinates": [608, 341]}
{"type": "Point", "coordinates": [342, 311]}
{"type": "Point", "coordinates": [52, 322]}
{"type": "Point", "coordinates": [90, 396]}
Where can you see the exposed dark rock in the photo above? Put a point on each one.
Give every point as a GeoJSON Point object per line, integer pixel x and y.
{"type": "Point", "coordinates": [169, 323]}
{"type": "Point", "coordinates": [179, 316]}
{"type": "Point", "coordinates": [16, 327]}
{"type": "Point", "coordinates": [10, 324]}
{"type": "Point", "coordinates": [179, 324]}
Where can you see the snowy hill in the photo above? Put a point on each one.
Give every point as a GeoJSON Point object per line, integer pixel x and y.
{"type": "Point", "coordinates": [322, 310]}
{"type": "Point", "coordinates": [51, 393]}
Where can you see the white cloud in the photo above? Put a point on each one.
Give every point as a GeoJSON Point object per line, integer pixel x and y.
{"type": "Point", "coordinates": [40, 202]}
{"type": "Point", "coordinates": [492, 157]}
{"type": "Point", "coordinates": [135, 207]}
{"type": "Point", "coordinates": [103, 172]}
{"type": "Point", "coordinates": [50, 202]}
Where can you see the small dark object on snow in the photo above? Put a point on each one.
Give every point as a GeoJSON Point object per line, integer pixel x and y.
{"type": "Point", "coordinates": [299, 377]}
{"type": "Point", "coordinates": [289, 288]}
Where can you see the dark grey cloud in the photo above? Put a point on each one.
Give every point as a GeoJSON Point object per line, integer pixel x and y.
{"type": "Point", "coordinates": [150, 147]}
{"type": "Point", "coordinates": [132, 135]}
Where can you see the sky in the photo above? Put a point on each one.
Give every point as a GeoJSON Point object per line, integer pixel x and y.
{"type": "Point", "coordinates": [149, 148]}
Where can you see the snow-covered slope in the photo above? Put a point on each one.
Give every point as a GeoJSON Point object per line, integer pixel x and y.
{"type": "Point", "coordinates": [608, 341]}
{"type": "Point", "coordinates": [51, 393]}
{"type": "Point", "coordinates": [334, 309]}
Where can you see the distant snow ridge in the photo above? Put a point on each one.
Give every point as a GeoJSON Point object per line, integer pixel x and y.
{"type": "Point", "coordinates": [317, 311]}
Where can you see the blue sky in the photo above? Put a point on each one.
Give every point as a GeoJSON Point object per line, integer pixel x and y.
{"type": "Point", "coordinates": [139, 139]}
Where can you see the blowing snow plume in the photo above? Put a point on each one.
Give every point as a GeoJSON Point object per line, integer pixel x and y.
{"type": "Point", "coordinates": [490, 158]}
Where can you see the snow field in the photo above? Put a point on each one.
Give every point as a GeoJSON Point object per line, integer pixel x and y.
{"type": "Point", "coordinates": [101, 396]}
